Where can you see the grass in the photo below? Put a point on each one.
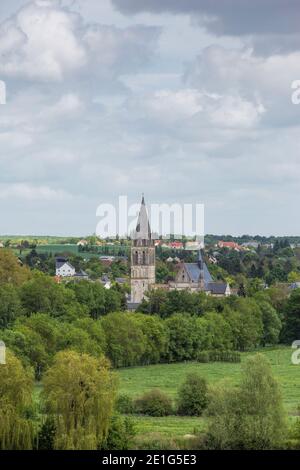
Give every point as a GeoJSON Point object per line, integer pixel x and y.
{"type": "Point", "coordinates": [134, 381]}
{"type": "Point", "coordinates": [169, 426]}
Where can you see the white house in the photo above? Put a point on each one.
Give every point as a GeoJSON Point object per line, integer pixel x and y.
{"type": "Point", "coordinates": [64, 268]}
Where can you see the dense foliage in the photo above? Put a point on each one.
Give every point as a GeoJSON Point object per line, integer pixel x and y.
{"type": "Point", "coordinates": [68, 335]}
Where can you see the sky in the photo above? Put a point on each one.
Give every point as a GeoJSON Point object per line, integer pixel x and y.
{"type": "Point", "coordinates": [184, 101]}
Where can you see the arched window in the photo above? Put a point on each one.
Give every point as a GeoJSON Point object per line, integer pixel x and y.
{"type": "Point", "coordinates": [144, 257]}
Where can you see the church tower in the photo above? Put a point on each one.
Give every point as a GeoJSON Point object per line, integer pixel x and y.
{"type": "Point", "coordinates": [142, 257]}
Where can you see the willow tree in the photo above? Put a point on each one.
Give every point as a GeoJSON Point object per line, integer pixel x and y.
{"type": "Point", "coordinates": [79, 392]}
{"type": "Point", "coordinates": [16, 385]}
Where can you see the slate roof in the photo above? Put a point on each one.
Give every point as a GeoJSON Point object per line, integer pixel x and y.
{"type": "Point", "coordinates": [193, 270]}
{"type": "Point", "coordinates": [142, 232]}
{"type": "Point", "coordinates": [81, 273]}
{"type": "Point", "coordinates": [59, 264]}
{"type": "Point", "coordinates": [216, 287]}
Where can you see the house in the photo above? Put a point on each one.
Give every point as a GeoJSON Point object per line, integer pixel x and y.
{"type": "Point", "coordinates": [176, 245]}
{"type": "Point", "coordinates": [107, 260]}
{"type": "Point", "coordinates": [294, 285]}
{"type": "Point", "coordinates": [251, 244]}
{"type": "Point", "coordinates": [105, 281]}
{"type": "Point", "coordinates": [82, 243]}
{"type": "Point", "coordinates": [172, 245]}
{"type": "Point", "coordinates": [63, 268]}
{"type": "Point", "coordinates": [194, 246]}
{"type": "Point", "coordinates": [229, 245]}
{"type": "Point", "coordinates": [81, 275]}
{"type": "Point", "coordinates": [120, 280]}
{"type": "Point", "coordinates": [196, 277]}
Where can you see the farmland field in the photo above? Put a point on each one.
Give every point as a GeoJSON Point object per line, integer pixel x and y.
{"type": "Point", "coordinates": [136, 380]}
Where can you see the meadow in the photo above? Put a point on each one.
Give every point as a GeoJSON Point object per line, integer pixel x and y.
{"type": "Point", "coordinates": [134, 381]}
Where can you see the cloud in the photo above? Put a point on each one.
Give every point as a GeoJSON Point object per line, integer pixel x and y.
{"type": "Point", "coordinates": [190, 111]}
{"type": "Point", "coordinates": [24, 191]}
{"type": "Point", "coordinates": [262, 82]}
{"type": "Point", "coordinates": [100, 104]}
{"type": "Point", "coordinates": [253, 18]}
{"type": "Point", "coordinates": [44, 41]}
{"type": "Point", "coordinates": [233, 17]}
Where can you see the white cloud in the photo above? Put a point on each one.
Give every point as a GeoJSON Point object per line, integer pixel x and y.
{"type": "Point", "coordinates": [24, 191]}
{"type": "Point", "coordinates": [47, 42]}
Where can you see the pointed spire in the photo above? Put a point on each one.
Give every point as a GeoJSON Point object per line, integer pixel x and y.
{"type": "Point", "coordinates": [200, 259]}
{"type": "Point", "coordinates": [142, 231]}
{"type": "Point", "coordinates": [201, 266]}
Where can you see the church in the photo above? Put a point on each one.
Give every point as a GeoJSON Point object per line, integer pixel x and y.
{"type": "Point", "coordinates": [194, 277]}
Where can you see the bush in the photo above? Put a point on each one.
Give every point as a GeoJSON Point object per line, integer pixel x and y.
{"type": "Point", "coordinates": [156, 441]}
{"type": "Point", "coordinates": [224, 356]}
{"type": "Point", "coordinates": [216, 355]}
{"type": "Point", "coordinates": [192, 396]}
{"type": "Point", "coordinates": [124, 404]}
{"type": "Point", "coordinates": [154, 403]}
{"type": "Point", "coordinates": [203, 356]}
{"type": "Point", "coordinates": [120, 434]}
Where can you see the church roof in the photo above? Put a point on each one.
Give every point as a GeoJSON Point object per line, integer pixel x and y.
{"type": "Point", "coordinates": [194, 271]}
{"type": "Point", "coordinates": [142, 231]}
{"type": "Point", "coordinates": [216, 287]}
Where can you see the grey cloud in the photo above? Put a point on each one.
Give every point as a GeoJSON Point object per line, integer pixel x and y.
{"type": "Point", "coordinates": [233, 17]}
{"type": "Point", "coordinates": [254, 18]}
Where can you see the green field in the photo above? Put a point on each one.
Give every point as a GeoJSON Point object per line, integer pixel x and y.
{"type": "Point", "coordinates": [136, 380]}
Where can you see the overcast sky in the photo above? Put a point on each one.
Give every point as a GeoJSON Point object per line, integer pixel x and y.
{"type": "Point", "coordinates": [184, 100]}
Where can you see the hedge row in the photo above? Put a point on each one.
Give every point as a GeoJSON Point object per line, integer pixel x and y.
{"type": "Point", "coordinates": [218, 356]}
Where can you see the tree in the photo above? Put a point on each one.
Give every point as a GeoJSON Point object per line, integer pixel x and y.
{"type": "Point", "coordinates": [156, 337]}
{"type": "Point", "coordinates": [78, 339]}
{"type": "Point", "coordinates": [11, 270]}
{"type": "Point", "coordinates": [10, 305]}
{"type": "Point", "coordinates": [120, 433]}
{"type": "Point", "coordinates": [245, 319]}
{"type": "Point", "coordinates": [291, 320]}
{"type": "Point", "coordinates": [219, 330]}
{"type": "Point", "coordinates": [271, 323]}
{"type": "Point", "coordinates": [42, 294]}
{"type": "Point", "coordinates": [241, 290]}
{"type": "Point", "coordinates": [113, 300]}
{"type": "Point", "coordinates": [294, 276]}
{"type": "Point", "coordinates": [126, 342]}
{"type": "Point", "coordinates": [16, 386]}
{"type": "Point", "coordinates": [29, 347]}
{"type": "Point", "coordinates": [250, 416]}
{"type": "Point", "coordinates": [90, 294]}
{"type": "Point", "coordinates": [183, 338]}
{"type": "Point", "coordinates": [192, 396]}
{"type": "Point", "coordinates": [79, 392]}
